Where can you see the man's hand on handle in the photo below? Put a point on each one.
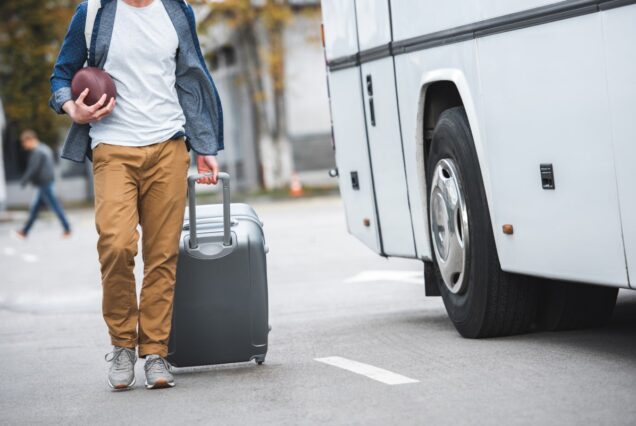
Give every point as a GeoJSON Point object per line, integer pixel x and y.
{"type": "Point", "coordinates": [208, 164]}
{"type": "Point", "coordinates": [81, 113]}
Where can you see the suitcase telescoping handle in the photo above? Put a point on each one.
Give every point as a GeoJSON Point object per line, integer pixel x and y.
{"type": "Point", "coordinates": [192, 208]}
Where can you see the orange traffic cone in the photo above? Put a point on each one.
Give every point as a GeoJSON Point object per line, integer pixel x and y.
{"type": "Point", "coordinates": [295, 186]}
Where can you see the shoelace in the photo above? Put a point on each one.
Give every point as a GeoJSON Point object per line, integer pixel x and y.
{"type": "Point", "coordinates": [156, 365]}
{"type": "Point", "coordinates": [116, 358]}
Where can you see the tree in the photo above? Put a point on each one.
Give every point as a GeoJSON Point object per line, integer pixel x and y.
{"type": "Point", "coordinates": [30, 37]}
{"type": "Point", "coordinates": [264, 61]}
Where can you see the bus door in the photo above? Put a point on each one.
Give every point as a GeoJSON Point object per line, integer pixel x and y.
{"type": "Point", "coordinates": [348, 122]}
{"type": "Point", "coordinates": [383, 127]}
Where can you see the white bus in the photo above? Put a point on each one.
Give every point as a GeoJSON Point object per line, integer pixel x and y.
{"type": "Point", "coordinates": [3, 183]}
{"type": "Point", "coordinates": [494, 140]}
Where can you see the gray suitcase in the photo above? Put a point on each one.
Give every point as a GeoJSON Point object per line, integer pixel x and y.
{"type": "Point", "coordinates": [220, 310]}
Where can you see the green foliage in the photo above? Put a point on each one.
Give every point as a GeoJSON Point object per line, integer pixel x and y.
{"type": "Point", "coordinates": [31, 33]}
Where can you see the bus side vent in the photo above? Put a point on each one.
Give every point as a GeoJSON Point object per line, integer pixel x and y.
{"type": "Point", "coordinates": [547, 176]}
{"type": "Point", "coordinates": [355, 183]}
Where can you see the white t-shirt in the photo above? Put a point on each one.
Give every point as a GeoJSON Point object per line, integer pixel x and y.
{"type": "Point", "coordinates": [142, 62]}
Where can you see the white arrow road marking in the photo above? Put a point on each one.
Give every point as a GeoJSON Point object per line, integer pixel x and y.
{"type": "Point", "coordinates": [31, 258]}
{"type": "Point", "coordinates": [375, 373]}
{"type": "Point", "coordinates": [413, 277]}
{"type": "Point", "coordinates": [9, 251]}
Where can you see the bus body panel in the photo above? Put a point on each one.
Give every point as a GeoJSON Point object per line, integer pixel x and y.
{"type": "Point", "coordinates": [414, 18]}
{"type": "Point", "coordinates": [373, 22]}
{"type": "Point", "coordinates": [339, 20]}
{"type": "Point", "coordinates": [415, 71]}
{"type": "Point", "coordinates": [352, 156]}
{"type": "Point", "coordinates": [544, 101]}
{"type": "Point", "coordinates": [494, 8]}
{"type": "Point", "coordinates": [619, 27]}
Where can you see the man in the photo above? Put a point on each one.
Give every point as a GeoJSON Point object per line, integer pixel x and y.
{"type": "Point", "coordinates": [40, 172]}
{"type": "Point", "coordinates": [166, 103]}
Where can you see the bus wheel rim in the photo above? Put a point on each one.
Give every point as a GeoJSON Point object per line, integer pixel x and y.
{"type": "Point", "coordinates": [449, 225]}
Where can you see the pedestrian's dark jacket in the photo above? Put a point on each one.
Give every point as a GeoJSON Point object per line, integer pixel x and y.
{"type": "Point", "coordinates": [40, 169]}
{"type": "Point", "coordinates": [197, 93]}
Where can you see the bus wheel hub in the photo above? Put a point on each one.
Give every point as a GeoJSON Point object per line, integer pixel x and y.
{"type": "Point", "coordinates": [449, 225]}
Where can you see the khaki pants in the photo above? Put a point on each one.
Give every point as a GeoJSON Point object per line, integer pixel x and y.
{"type": "Point", "coordinates": [139, 186]}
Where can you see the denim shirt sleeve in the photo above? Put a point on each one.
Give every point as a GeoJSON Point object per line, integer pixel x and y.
{"type": "Point", "coordinates": [193, 27]}
{"type": "Point", "coordinates": [72, 56]}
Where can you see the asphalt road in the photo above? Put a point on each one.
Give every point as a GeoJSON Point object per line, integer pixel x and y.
{"type": "Point", "coordinates": [329, 297]}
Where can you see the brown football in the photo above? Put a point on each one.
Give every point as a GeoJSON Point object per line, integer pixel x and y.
{"type": "Point", "coordinates": [97, 81]}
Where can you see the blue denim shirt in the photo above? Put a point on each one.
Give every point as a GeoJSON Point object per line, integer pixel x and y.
{"type": "Point", "coordinates": [197, 93]}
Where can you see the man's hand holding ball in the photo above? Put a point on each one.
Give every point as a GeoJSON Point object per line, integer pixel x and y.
{"type": "Point", "coordinates": [81, 113]}
{"type": "Point", "coordinates": [94, 93]}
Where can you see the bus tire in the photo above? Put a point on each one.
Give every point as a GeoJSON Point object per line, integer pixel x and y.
{"type": "Point", "coordinates": [481, 299]}
{"type": "Point", "coordinates": [569, 306]}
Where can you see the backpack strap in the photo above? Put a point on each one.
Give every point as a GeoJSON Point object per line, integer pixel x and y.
{"type": "Point", "coordinates": [91, 12]}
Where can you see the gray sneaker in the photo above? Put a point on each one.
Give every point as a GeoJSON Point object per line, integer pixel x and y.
{"type": "Point", "coordinates": [158, 375]}
{"type": "Point", "coordinates": [121, 374]}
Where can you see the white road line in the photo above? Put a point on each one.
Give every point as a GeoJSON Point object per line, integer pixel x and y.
{"type": "Point", "coordinates": [27, 257]}
{"type": "Point", "coordinates": [414, 277]}
{"type": "Point", "coordinates": [31, 258]}
{"type": "Point", "coordinates": [375, 373]}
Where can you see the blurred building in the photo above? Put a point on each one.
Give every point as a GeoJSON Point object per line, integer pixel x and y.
{"type": "Point", "coordinates": [307, 107]}
{"type": "Point", "coordinates": [307, 113]}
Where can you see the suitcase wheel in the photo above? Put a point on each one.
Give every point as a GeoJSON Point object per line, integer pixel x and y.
{"type": "Point", "coordinates": [259, 360]}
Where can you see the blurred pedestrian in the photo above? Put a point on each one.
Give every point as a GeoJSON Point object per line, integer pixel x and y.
{"type": "Point", "coordinates": [40, 173]}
